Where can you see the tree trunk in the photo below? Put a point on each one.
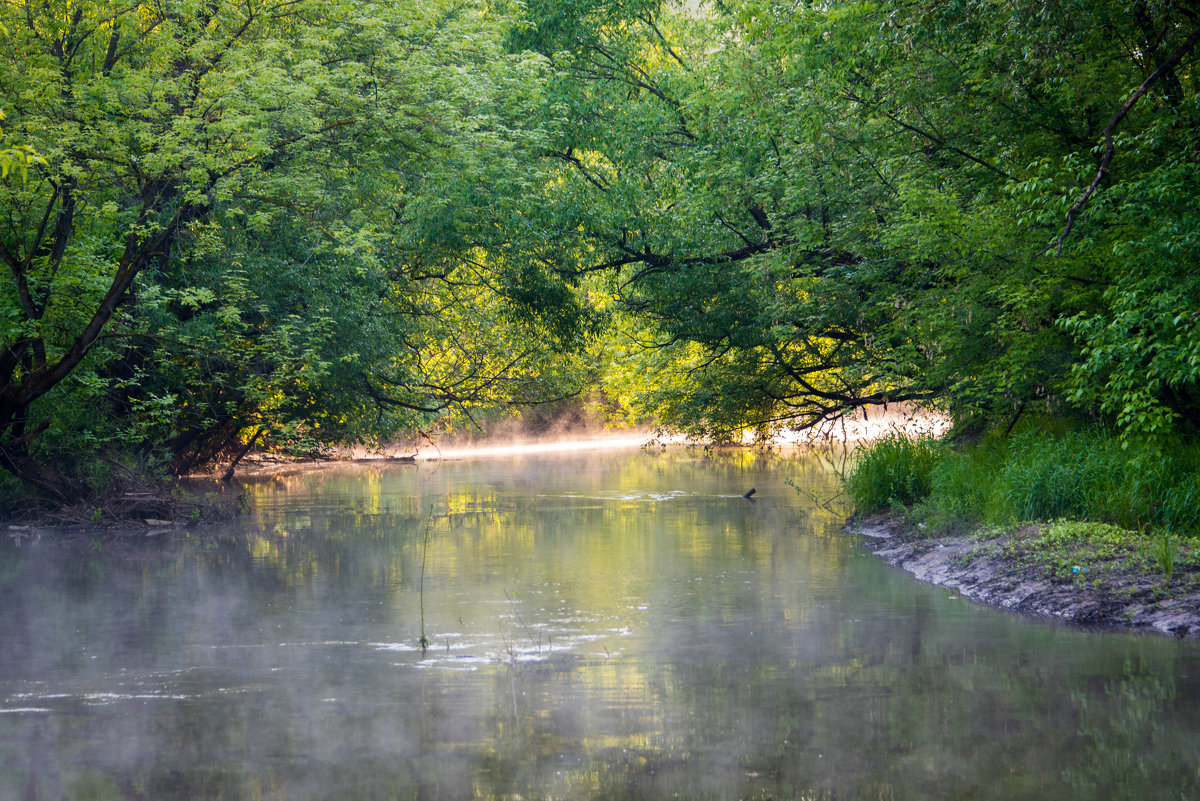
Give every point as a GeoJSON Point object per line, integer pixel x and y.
{"type": "Point", "coordinates": [229, 473]}
{"type": "Point", "coordinates": [15, 457]}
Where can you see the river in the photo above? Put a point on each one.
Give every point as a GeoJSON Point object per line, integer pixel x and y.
{"type": "Point", "coordinates": [616, 624]}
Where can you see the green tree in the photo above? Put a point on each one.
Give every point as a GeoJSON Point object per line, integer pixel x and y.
{"type": "Point", "coordinates": [262, 218]}
{"type": "Point", "coordinates": [818, 207]}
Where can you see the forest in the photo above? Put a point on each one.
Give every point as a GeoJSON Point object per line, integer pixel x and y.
{"type": "Point", "coordinates": [296, 224]}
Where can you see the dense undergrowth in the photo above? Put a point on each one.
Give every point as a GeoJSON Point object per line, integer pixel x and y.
{"type": "Point", "coordinates": [1075, 504]}
{"type": "Point", "coordinates": [1036, 474]}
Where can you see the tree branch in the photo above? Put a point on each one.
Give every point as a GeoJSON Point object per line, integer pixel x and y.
{"type": "Point", "coordinates": [1110, 129]}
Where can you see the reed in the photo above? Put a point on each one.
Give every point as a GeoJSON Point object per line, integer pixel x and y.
{"type": "Point", "coordinates": [1093, 475]}
{"type": "Point", "coordinates": [1164, 549]}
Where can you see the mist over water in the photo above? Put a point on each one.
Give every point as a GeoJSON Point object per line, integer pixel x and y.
{"type": "Point", "coordinates": [604, 624]}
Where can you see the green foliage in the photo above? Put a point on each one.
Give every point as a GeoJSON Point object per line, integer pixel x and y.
{"type": "Point", "coordinates": [268, 223]}
{"type": "Point", "coordinates": [813, 208]}
{"type": "Point", "coordinates": [298, 224]}
{"type": "Point", "coordinates": [17, 159]}
{"type": "Point", "coordinates": [892, 471]}
{"type": "Point", "coordinates": [1036, 474]}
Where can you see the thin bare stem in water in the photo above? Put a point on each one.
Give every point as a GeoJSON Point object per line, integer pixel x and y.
{"type": "Point", "coordinates": [517, 613]}
{"type": "Point", "coordinates": [424, 641]}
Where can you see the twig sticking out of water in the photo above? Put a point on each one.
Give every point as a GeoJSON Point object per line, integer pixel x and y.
{"type": "Point", "coordinates": [424, 641]}
{"type": "Point", "coordinates": [517, 613]}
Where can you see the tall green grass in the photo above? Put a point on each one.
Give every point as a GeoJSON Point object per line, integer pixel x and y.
{"type": "Point", "coordinates": [1034, 475]}
{"type": "Point", "coordinates": [893, 471]}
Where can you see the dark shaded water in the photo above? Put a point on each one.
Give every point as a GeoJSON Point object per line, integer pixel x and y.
{"type": "Point", "coordinates": [604, 625]}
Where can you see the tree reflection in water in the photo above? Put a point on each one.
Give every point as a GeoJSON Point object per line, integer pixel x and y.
{"type": "Point", "coordinates": [603, 625]}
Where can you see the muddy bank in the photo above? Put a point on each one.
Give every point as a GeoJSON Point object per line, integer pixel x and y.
{"type": "Point", "coordinates": [977, 569]}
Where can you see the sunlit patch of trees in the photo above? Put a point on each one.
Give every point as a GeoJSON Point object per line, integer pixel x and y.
{"type": "Point", "coordinates": [304, 222]}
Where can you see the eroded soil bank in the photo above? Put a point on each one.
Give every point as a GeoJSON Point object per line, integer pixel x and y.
{"type": "Point", "coordinates": [978, 569]}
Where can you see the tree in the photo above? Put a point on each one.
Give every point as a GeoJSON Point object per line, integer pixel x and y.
{"type": "Point", "coordinates": [820, 207]}
{"type": "Point", "coordinates": [259, 216]}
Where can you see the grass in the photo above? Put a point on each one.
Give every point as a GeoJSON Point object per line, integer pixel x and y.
{"type": "Point", "coordinates": [1078, 505]}
{"type": "Point", "coordinates": [893, 471]}
{"type": "Point", "coordinates": [1164, 551]}
{"type": "Point", "coordinates": [1101, 554]}
{"type": "Point", "coordinates": [1034, 475]}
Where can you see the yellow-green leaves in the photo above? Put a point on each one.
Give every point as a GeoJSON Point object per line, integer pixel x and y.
{"type": "Point", "coordinates": [18, 160]}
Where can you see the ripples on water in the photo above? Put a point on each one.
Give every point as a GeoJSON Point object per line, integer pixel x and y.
{"type": "Point", "coordinates": [603, 625]}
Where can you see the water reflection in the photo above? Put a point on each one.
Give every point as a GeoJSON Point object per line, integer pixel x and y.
{"type": "Point", "coordinates": [604, 626]}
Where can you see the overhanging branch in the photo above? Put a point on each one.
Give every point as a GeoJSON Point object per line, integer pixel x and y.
{"type": "Point", "coordinates": [1110, 129]}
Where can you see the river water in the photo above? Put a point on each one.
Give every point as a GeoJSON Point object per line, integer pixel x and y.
{"type": "Point", "coordinates": [602, 625]}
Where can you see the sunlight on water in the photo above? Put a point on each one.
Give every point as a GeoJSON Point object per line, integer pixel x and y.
{"type": "Point", "coordinates": [612, 442]}
{"type": "Point", "coordinates": [611, 623]}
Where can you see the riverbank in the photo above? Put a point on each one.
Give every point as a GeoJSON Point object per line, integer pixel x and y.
{"type": "Point", "coordinates": [996, 567]}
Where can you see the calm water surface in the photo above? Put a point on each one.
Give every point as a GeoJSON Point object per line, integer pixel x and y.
{"type": "Point", "coordinates": [605, 625]}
